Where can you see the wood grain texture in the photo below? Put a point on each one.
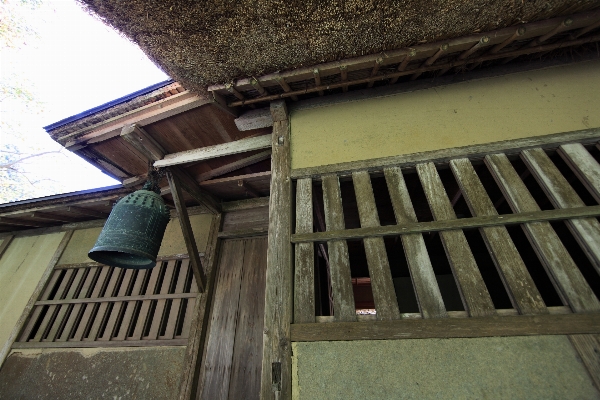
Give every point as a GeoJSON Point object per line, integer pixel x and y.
{"type": "Point", "coordinates": [431, 304]}
{"type": "Point", "coordinates": [516, 325]}
{"type": "Point", "coordinates": [512, 270]}
{"type": "Point", "coordinates": [584, 165]}
{"type": "Point", "coordinates": [588, 348]}
{"type": "Point", "coordinates": [476, 298]}
{"type": "Point", "coordinates": [76, 308]}
{"type": "Point", "coordinates": [117, 307]}
{"type": "Point", "coordinates": [304, 266]}
{"type": "Point", "coordinates": [127, 343]}
{"type": "Point", "coordinates": [130, 306]}
{"type": "Point", "coordinates": [41, 287]}
{"type": "Point", "coordinates": [571, 284]}
{"type": "Point", "coordinates": [104, 307]}
{"type": "Point", "coordinates": [464, 223]}
{"type": "Point", "coordinates": [219, 352]}
{"type": "Point", "coordinates": [144, 308]}
{"type": "Point", "coordinates": [180, 280]}
{"type": "Point", "coordinates": [382, 285]}
{"type": "Point", "coordinates": [247, 352]}
{"type": "Point", "coordinates": [562, 195]}
{"type": "Point", "coordinates": [186, 228]}
{"type": "Point", "coordinates": [59, 322]}
{"type": "Point", "coordinates": [161, 303]}
{"type": "Point", "coordinates": [278, 295]}
{"type": "Point", "coordinates": [339, 261]}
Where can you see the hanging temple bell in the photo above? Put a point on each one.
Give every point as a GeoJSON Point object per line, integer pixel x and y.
{"type": "Point", "coordinates": [134, 229]}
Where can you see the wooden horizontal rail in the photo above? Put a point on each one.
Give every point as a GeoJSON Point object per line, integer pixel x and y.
{"type": "Point", "coordinates": [515, 325]}
{"type": "Point", "coordinates": [244, 233]}
{"type": "Point", "coordinates": [419, 70]}
{"type": "Point", "coordinates": [120, 298]}
{"type": "Point", "coordinates": [104, 343]}
{"type": "Point", "coordinates": [434, 226]}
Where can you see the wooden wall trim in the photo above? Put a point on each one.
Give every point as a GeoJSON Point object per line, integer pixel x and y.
{"type": "Point", "coordinates": [444, 155]}
{"type": "Point", "coordinates": [517, 325]}
{"type": "Point", "coordinates": [276, 378]}
{"type": "Point", "coordinates": [112, 344]}
{"type": "Point", "coordinates": [34, 296]}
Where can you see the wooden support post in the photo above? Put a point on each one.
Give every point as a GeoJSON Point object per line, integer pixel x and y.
{"type": "Point", "coordinates": [34, 296]}
{"type": "Point", "coordinates": [188, 234]}
{"type": "Point", "coordinates": [285, 86]}
{"type": "Point", "coordinates": [276, 379]}
{"type": "Point", "coordinates": [191, 186]}
{"type": "Point", "coordinates": [194, 351]}
{"type": "Point", "coordinates": [318, 80]}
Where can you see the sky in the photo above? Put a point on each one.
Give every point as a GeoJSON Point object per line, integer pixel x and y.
{"type": "Point", "coordinates": [73, 63]}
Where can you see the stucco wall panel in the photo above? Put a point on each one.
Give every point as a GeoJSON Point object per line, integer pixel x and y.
{"type": "Point", "coordinates": [21, 268]}
{"type": "Point", "coordinates": [533, 103]}
{"type": "Point", "coordinates": [536, 367]}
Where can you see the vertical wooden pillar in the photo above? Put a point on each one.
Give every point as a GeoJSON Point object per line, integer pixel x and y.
{"type": "Point", "coordinates": [276, 380]}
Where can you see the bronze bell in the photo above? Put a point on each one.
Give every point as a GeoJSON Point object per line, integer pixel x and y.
{"type": "Point", "coordinates": [134, 231]}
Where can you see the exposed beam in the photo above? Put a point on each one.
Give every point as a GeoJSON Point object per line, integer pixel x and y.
{"type": "Point", "coordinates": [87, 212]}
{"type": "Point", "coordinates": [142, 116]}
{"type": "Point", "coordinates": [143, 142]}
{"type": "Point", "coordinates": [219, 150]}
{"type": "Point", "coordinates": [248, 188]}
{"type": "Point", "coordinates": [48, 216]}
{"type": "Point", "coordinates": [263, 155]}
{"type": "Point", "coordinates": [186, 228]}
{"type": "Point", "coordinates": [18, 222]}
{"type": "Point", "coordinates": [194, 190]}
{"type": "Point", "coordinates": [254, 119]}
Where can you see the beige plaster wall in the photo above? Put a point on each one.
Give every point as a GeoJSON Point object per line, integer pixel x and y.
{"type": "Point", "coordinates": [84, 239]}
{"type": "Point", "coordinates": [21, 268]}
{"type": "Point", "coordinates": [534, 103]}
{"type": "Point", "coordinates": [526, 367]}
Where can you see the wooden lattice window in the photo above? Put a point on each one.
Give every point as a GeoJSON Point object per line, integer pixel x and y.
{"type": "Point", "coordinates": [95, 305]}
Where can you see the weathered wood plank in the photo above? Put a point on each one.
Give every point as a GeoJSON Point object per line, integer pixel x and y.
{"type": "Point", "coordinates": [48, 320]}
{"type": "Point", "coordinates": [125, 343]}
{"type": "Point", "coordinates": [219, 353]}
{"type": "Point", "coordinates": [304, 278]}
{"type": "Point", "coordinates": [161, 303]}
{"type": "Point", "coordinates": [512, 270]}
{"type": "Point", "coordinates": [431, 304]}
{"type": "Point", "coordinates": [588, 348]}
{"type": "Point", "coordinates": [140, 297]}
{"type": "Point", "coordinates": [234, 166]}
{"type": "Point", "coordinates": [130, 306]}
{"type": "Point", "coordinates": [101, 283]}
{"type": "Point", "coordinates": [219, 150]}
{"type": "Point", "coordinates": [382, 285]}
{"type": "Point", "coordinates": [571, 285]}
{"type": "Point", "coordinates": [103, 307]}
{"type": "Point", "coordinates": [463, 223]}
{"type": "Point", "coordinates": [176, 303]}
{"type": "Point", "coordinates": [188, 234]}
{"type": "Point", "coordinates": [76, 308]}
{"type": "Point", "coordinates": [562, 195]}
{"type": "Point", "coordinates": [35, 314]}
{"type": "Point", "coordinates": [117, 308]}
{"type": "Point", "coordinates": [515, 325]}
{"type": "Point", "coordinates": [247, 354]}
{"type": "Point", "coordinates": [254, 119]}
{"type": "Point", "coordinates": [277, 348]}
{"type": "Point", "coordinates": [189, 184]}
{"type": "Point", "coordinates": [476, 298]}
{"type": "Point", "coordinates": [58, 321]}
{"type": "Point", "coordinates": [199, 319]}
{"type": "Point", "coordinates": [339, 261]}
{"type": "Point", "coordinates": [140, 323]}
{"type": "Point", "coordinates": [5, 242]}
{"type": "Point", "coordinates": [584, 165]}
{"type": "Point", "coordinates": [142, 142]}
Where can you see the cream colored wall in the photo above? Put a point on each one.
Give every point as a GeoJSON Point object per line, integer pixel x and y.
{"type": "Point", "coordinates": [21, 268]}
{"type": "Point", "coordinates": [534, 103]}
{"type": "Point", "coordinates": [84, 239]}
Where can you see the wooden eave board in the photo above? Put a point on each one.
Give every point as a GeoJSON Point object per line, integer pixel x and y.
{"type": "Point", "coordinates": [196, 169]}
{"type": "Point", "coordinates": [228, 188]}
{"type": "Point", "coordinates": [122, 155]}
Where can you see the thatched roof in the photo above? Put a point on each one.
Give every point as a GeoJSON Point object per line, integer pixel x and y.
{"type": "Point", "coordinates": [200, 43]}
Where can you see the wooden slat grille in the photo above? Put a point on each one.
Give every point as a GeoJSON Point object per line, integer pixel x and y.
{"type": "Point", "coordinates": [100, 304]}
{"type": "Point", "coordinates": [576, 289]}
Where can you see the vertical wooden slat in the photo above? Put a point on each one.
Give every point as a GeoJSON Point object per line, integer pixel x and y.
{"type": "Point", "coordinates": [339, 261]}
{"type": "Point", "coordinates": [571, 285]}
{"type": "Point", "coordinates": [160, 304]}
{"type": "Point", "coordinates": [89, 308]}
{"type": "Point", "coordinates": [199, 318]}
{"type": "Point", "coordinates": [584, 165]}
{"type": "Point", "coordinates": [117, 307]}
{"type": "Point", "coordinates": [277, 347]}
{"type": "Point", "coordinates": [471, 286]}
{"type": "Point", "coordinates": [246, 365]}
{"type": "Point", "coordinates": [588, 347]}
{"type": "Point", "coordinates": [512, 270]}
{"type": "Point", "coordinates": [421, 271]}
{"type": "Point", "coordinates": [189, 309]}
{"type": "Point", "coordinates": [145, 307]}
{"type": "Point", "coordinates": [219, 353]}
{"type": "Point", "coordinates": [38, 309]}
{"type": "Point", "coordinates": [22, 321]}
{"type": "Point", "coordinates": [585, 230]}
{"type": "Point", "coordinates": [75, 309]}
{"type": "Point", "coordinates": [102, 308]}
{"type": "Point", "coordinates": [58, 321]}
{"type": "Point", "coordinates": [48, 320]}
{"type": "Point", "coordinates": [382, 285]}
{"type": "Point", "coordinates": [176, 303]}
{"type": "Point", "coordinates": [130, 306]}
{"type": "Point", "coordinates": [304, 278]}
